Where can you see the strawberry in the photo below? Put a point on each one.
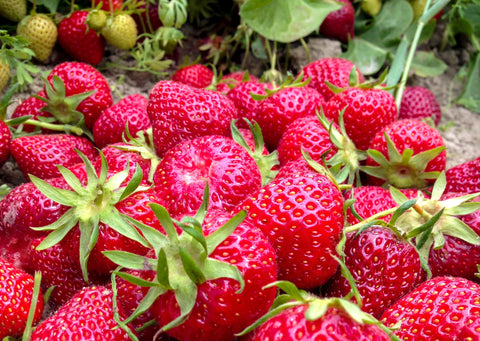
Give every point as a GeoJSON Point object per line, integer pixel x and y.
{"type": "Point", "coordinates": [13, 10]}
{"type": "Point", "coordinates": [16, 291]}
{"type": "Point", "coordinates": [226, 255]}
{"type": "Point", "coordinates": [89, 315]}
{"type": "Point", "coordinates": [406, 153]}
{"type": "Point", "coordinates": [87, 84]}
{"type": "Point", "coordinates": [384, 267]}
{"type": "Point", "coordinates": [39, 155]}
{"type": "Point", "coordinates": [436, 310]}
{"type": "Point", "coordinates": [110, 126]}
{"type": "Point", "coordinates": [333, 70]}
{"type": "Point", "coordinates": [302, 216]}
{"type": "Point", "coordinates": [464, 177]}
{"type": "Point", "coordinates": [419, 102]}
{"type": "Point", "coordinates": [196, 75]}
{"type": "Point", "coordinates": [247, 106]}
{"type": "Point", "coordinates": [233, 79]}
{"type": "Point", "coordinates": [5, 140]}
{"type": "Point", "coordinates": [41, 32]}
{"type": "Point", "coordinates": [31, 106]}
{"type": "Point", "coordinates": [340, 23]}
{"type": "Point", "coordinates": [15, 229]}
{"type": "Point", "coordinates": [179, 112]}
{"type": "Point", "coordinates": [81, 43]}
{"type": "Point", "coordinates": [120, 31]}
{"type": "Point", "coordinates": [181, 175]}
{"type": "Point", "coordinates": [282, 107]}
{"type": "Point", "coordinates": [365, 112]}
{"type": "Point", "coordinates": [4, 74]}
{"type": "Point", "coordinates": [108, 5]}
{"type": "Point", "coordinates": [148, 20]}
{"type": "Point", "coordinates": [308, 134]}
{"type": "Point", "coordinates": [297, 315]}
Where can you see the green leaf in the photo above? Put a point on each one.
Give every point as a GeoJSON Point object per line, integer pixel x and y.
{"type": "Point", "coordinates": [61, 196]}
{"type": "Point", "coordinates": [286, 20]}
{"type": "Point", "coordinates": [316, 309]}
{"type": "Point", "coordinates": [51, 5]}
{"type": "Point", "coordinates": [191, 267]}
{"type": "Point", "coordinates": [216, 269]}
{"type": "Point", "coordinates": [470, 96]}
{"type": "Point", "coordinates": [425, 64]}
{"type": "Point", "coordinates": [129, 260]}
{"type": "Point", "coordinates": [115, 221]}
{"type": "Point", "coordinates": [218, 236]}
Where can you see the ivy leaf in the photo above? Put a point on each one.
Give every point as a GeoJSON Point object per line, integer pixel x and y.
{"type": "Point", "coordinates": [286, 21]}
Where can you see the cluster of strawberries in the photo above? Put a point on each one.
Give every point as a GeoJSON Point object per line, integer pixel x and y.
{"type": "Point", "coordinates": [299, 211]}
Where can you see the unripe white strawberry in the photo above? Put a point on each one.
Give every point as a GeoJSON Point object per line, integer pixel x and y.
{"type": "Point", "coordinates": [41, 32]}
{"type": "Point", "coordinates": [121, 31]}
{"type": "Point", "coordinates": [13, 10]}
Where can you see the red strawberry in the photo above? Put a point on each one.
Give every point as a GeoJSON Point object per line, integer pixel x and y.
{"type": "Point", "coordinates": [294, 167]}
{"type": "Point", "coordinates": [148, 20]}
{"type": "Point", "coordinates": [232, 80]}
{"type": "Point", "coordinates": [80, 42]}
{"type": "Point", "coordinates": [196, 76]}
{"type": "Point", "coordinates": [108, 5]}
{"type": "Point", "coordinates": [464, 177]}
{"type": "Point", "coordinates": [182, 173]}
{"type": "Point", "coordinates": [302, 216]}
{"type": "Point", "coordinates": [5, 140]}
{"type": "Point", "coordinates": [412, 155]}
{"type": "Point", "coordinates": [281, 108]}
{"type": "Point", "coordinates": [367, 111]}
{"type": "Point", "coordinates": [333, 70]}
{"type": "Point", "coordinates": [419, 102]}
{"type": "Point", "coordinates": [308, 134]}
{"type": "Point", "coordinates": [179, 112]}
{"type": "Point", "coordinates": [78, 78]}
{"type": "Point", "coordinates": [340, 23]}
{"type": "Point", "coordinates": [110, 126]}
{"type": "Point", "coordinates": [32, 106]}
{"type": "Point", "coordinates": [383, 266]}
{"type": "Point", "coordinates": [16, 291]}
{"type": "Point", "coordinates": [241, 97]}
{"type": "Point", "coordinates": [40, 154]}
{"type": "Point", "coordinates": [15, 228]}
{"type": "Point", "coordinates": [89, 315]}
{"type": "Point", "coordinates": [437, 310]}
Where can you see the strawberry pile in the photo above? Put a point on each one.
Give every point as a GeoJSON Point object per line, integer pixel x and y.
{"type": "Point", "coordinates": [235, 209]}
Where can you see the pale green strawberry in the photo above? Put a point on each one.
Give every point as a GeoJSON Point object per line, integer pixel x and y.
{"type": "Point", "coordinates": [4, 74]}
{"type": "Point", "coordinates": [13, 10]}
{"type": "Point", "coordinates": [97, 19]}
{"type": "Point", "coordinates": [121, 31]}
{"type": "Point", "coordinates": [41, 32]}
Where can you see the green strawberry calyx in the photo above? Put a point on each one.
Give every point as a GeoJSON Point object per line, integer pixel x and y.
{"type": "Point", "coordinates": [90, 204]}
{"type": "Point", "coordinates": [181, 261]}
{"type": "Point", "coordinates": [403, 170]}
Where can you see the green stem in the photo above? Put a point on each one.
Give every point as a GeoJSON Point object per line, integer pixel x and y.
{"type": "Point", "coordinates": [307, 51]}
{"type": "Point", "coordinates": [56, 127]}
{"type": "Point", "coordinates": [374, 217]}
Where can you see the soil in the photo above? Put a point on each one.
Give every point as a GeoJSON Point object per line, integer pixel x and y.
{"type": "Point", "coordinates": [459, 126]}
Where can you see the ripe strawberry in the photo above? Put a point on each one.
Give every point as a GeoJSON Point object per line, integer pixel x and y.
{"type": "Point", "coordinates": [148, 20]}
{"type": "Point", "coordinates": [406, 153]}
{"type": "Point", "coordinates": [89, 315]}
{"type": "Point", "coordinates": [13, 10]}
{"type": "Point", "coordinates": [179, 112]}
{"type": "Point", "coordinates": [78, 78]}
{"type": "Point", "coordinates": [4, 74]}
{"type": "Point", "coordinates": [5, 140]}
{"type": "Point", "coordinates": [181, 175]}
{"type": "Point", "coordinates": [366, 112]}
{"type": "Point", "coordinates": [340, 23]}
{"type": "Point", "coordinates": [120, 31]}
{"type": "Point", "coordinates": [241, 96]}
{"type": "Point", "coordinates": [81, 43]}
{"type": "Point", "coordinates": [196, 75]}
{"type": "Point", "coordinates": [108, 5]}
{"type": "Point", "coordinates": [39, 155]}
{"type": "Point", "coordinates": [41, 32]}
{"type": "Point", "coordinates": [419, 102]}
{"type": "Point", "coordinates": [31, 106]}
{"type": "Point", "coordinates": [15, 229]}
{"type": "Point", "coordinates": [302, 216]}
{"type": "Point", "coordinates": [308, 134]}
{"type": "Point", "coordinates": [437, 310]}
{"type": "Point", "coordinates": [384, 267]}
{"type": "Point", "coordinates": [110, 127]}
{"type": "Point", "coordinates": [281, 108]}
{"type": "Point", "coordinates": [333, 70]}
{"type": "Point", "coordinates": [233, 79]}
{"type": "Point", "coordinates": [464, 177]}
{"type": "Point", "coordinates": [16, 291]}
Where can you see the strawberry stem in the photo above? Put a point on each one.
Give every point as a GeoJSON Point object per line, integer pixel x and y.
{"type": "Point", "coordinates": [370, 219]}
